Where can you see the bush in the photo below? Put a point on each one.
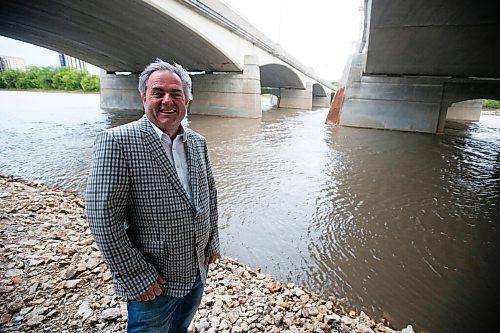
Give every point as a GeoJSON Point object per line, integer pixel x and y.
{"type": "Point", "coordinates": [47, 78]}
{"type": "Point", "coordinates": [489, 103]}
{"type": "Point", "coordinates": [9, 78]}
{"type": "Point", "coordinates": [90, 83]}
{"type": "Point", "coordinates": [67, 79]}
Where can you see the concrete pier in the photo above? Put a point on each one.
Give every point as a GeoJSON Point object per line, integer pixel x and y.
{"type": "Point", "coordinates": [465, 111]}
{"type": "Point", "coordinates": [410, 103]}
{"type": "Point", "coordinates": [297, 98]}
{"type": "Point", "coordinates": [320, 102]}
{"type": "Point", "coordinates": [119, 92]}
{"type": "Point", "coordinates": [397, 103]}
{"type": "Point", "coordinates": [231, 95]}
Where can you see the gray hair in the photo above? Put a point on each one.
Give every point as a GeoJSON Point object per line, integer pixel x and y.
{"type": "Point", "coordinates": [160, 65]}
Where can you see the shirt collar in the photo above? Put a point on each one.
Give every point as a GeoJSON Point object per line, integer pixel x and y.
{"type": "Point", "coordinates": [181, 132]}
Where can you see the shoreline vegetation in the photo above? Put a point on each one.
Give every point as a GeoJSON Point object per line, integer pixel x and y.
{"type": "Point", "coordinates": [54, 279]}
{"type": "Point", "coordinates": [491, 104]}
{"type": "Point", "coordinates": [50, 79]}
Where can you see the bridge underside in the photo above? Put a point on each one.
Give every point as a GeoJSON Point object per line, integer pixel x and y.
{"type": "Point", "coordinates": [423, 56]}
{"type": "Point", "coordinates": [92, 31]}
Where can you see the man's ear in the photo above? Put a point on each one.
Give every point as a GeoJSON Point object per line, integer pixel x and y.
{"type": "Point", "coordinates": [143, 97]}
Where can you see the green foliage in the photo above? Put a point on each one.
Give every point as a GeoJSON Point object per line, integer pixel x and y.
{"type": "Point", "coordinates": [489, 103]}
{"type": "Point", "coordinates": [67, 79]}
{"type": "Point", "coordinates": [9, 78]}
{"type": "Point", "coordinates": [90, 83]}
{"type": "Point", "coordinates": [336, 84]}
{"type": "Point", "coordinates": [49, 78]}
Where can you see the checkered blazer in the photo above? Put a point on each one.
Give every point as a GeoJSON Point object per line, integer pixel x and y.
{"type": "Point", "coordinates": [140, 215]}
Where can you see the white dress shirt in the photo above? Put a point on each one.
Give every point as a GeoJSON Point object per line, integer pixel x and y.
{"type": "Point", "coordinates": [176, 154]}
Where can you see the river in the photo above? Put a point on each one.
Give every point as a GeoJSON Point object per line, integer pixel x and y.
{"type": "Point", "coordinates": [405, 225]}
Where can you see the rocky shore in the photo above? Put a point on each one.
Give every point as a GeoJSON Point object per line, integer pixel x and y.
{"type": "Point", "coordinates": [54, 279]}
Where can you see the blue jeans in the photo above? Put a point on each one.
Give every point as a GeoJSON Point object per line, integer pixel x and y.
{"type": "Point", "coordinates": [164, 314]}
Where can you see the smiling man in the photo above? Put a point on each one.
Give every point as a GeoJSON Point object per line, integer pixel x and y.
{"type": "Point", "coordinates": [152, 206]}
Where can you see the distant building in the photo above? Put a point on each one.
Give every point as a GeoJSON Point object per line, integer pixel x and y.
{"type": "Point", "coordinates": [69, 61]}
{"type": "Point", "coordinates": [8, 63]}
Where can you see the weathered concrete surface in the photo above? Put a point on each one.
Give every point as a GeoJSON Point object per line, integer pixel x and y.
{"type": "Point", "coordinates": [428, 37]}
{"type": "Point", "coordinates": [297, 98]}
{"type": "Point", "coordinates": [230, 95]}
{"type": "Point", "coordinates": [119, 92]}
{"type": "Point", "coordinates": [421, 56]}
{"type": "Point", "coordinates": [321, 102]}
{"type": "Point", "coordinates": [407, 103]}
{"type": "Point", "coordinates": [397, 103]}
{"type": "Point", "coordinates": [465, 111]}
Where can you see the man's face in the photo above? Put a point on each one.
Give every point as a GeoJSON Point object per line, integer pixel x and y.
{"type": "Point", "coordinates": [164, 101]}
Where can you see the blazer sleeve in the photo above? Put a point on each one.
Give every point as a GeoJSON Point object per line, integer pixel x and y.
{"type": "Point", "coordinates": [213, 246]}
{"type": "Point", "coordinates": [106, 201]}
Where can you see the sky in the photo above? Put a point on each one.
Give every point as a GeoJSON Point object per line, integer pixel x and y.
{"type": "Point", "coordinates": [319, 33]}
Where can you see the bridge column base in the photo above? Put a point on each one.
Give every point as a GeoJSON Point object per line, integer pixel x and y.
{"type": "Point", "coordinates": [119, 92]}
{"type": "Point", "coordinates": [321, 102]}
{"type": "Point", "coordinates": [465, 111]}
{"type": "Point", "coordinates": [297, 98]}
{"type": "Point", "coordinates": [230, 95]}
{"type": "Point", "coordinates": [411, 103]}
{"type": "Point", "coordinates": [396, 103]}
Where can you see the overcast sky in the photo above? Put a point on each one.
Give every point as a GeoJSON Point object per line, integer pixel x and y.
{"type": "Point", "coordinates": [319, 33]}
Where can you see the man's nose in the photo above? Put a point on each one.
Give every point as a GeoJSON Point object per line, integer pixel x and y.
{"type": "Point", "coordinates": [167, 98]}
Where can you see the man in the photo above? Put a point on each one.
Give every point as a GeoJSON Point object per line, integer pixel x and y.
{"type": "Point", "coordinates": [152, 206]}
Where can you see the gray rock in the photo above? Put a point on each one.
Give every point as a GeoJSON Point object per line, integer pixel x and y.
{"type": "Point", "coordinates": [70, 284]}
{"type": "Point", "coordinates": [407, 329]}
{"type": "Point", "coordinates": [111, 313]}
{"type": "Point", "coordinates": [35, 320]}
{"type": "Point", "coordinates": [13, 272]}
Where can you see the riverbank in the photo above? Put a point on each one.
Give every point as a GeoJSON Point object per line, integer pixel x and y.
{"type": "Point", "coordinates": [52, 91]}
{"type": "Point", "coordinates": [54, 279]}
{"type": "Point", "coordinates": [491, 111]}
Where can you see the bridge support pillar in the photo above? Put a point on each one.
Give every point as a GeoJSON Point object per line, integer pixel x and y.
{"type": "Point", "coordinates": [397, 103]}
{"type": "Point", "coordinates": [230, 95]}
{"type": "Point", "coordinates": [119, 92]}
{"type": "Point", "coordinates": [321, 102]}
{"type": "Point", "coordinates": [411, 103]}
{"type": "Point", "coordinates": [465, 111]}
{"type": "Point", "coordinates": [297, 98]}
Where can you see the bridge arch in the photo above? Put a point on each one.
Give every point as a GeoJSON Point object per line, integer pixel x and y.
{"type": "Point", "coordinates": [318, 90]}
{"type": "Point", "coordinates": [461, 99]}
{"type": "Point", "coordinates": [280, 76]}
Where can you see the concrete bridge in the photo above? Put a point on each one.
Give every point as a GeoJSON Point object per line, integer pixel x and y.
{"type": "Point", "coordinates": [419, 57]}
{"type": "Point", "coordinates": [232, 60]}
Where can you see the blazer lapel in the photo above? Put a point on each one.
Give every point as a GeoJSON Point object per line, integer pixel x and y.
{"type": "Point", "coordinates": [193, 168]}
{"type": "Point", "coordinates": [152, 142]}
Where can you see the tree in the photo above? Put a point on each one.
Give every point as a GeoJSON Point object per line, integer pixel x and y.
{"type": "Point", "coordinates": [46, 78]}
{"type": "Point", "coordinates": [9, 78]}
{"type": "Point", "coordinates": [67, 79]}
{"type": "Point", "coordinates": [90, 83]}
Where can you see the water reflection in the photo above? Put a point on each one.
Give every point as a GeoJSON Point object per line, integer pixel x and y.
{"type": "Point", "coordinates": [402, 223]}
